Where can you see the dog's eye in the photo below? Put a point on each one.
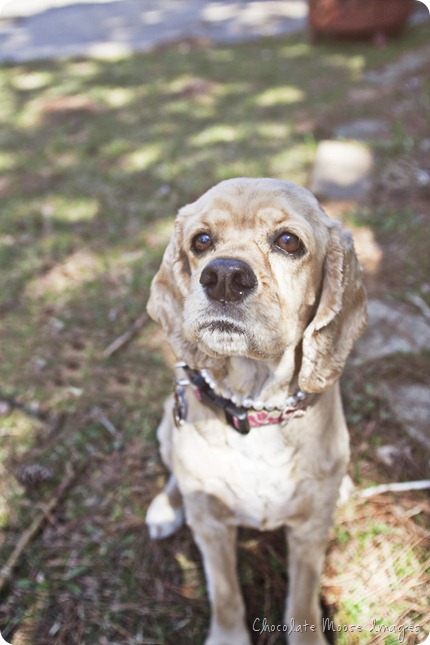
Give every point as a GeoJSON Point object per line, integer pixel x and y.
{"type": "Point", "coordinates": [289, 242]}
{"type": "Point", "coordinates": [201, 243]}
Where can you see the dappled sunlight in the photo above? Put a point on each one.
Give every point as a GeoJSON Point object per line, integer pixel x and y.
{"type": "Point", "coordinates": [217, 134]}
{"type": "Point", "coordinates": [17, 434]}
{"type": "Point", "coordinates": [291, 163]}
{"type": "Point", "coordinates": [79, 268]}
{"type": "Point", "coordinates": [111, 51]}
{"type": "Point", "coordinates": [271, 130]}
{"type": "Point", "coordinates": [66, 209]}
{"type": "Point", "coordinates": [284, 95]}
{"type": "Point", "coordinates": [35, 80]}
{"type": "Point", "coordinates": [354, 64]}
{"type": "Point", "coordinates": [116, 147]}
{"type": "Point", "coordinates": [44, 108]}
{"type": "Point", "coordinates": [118, 97]}
{"type": "Point", "coordinates": [369, 252]}
{"type": "Point", "coordinates": [141, 159]}
{"type": "Point", "coordinates": [8, 161]}
{"type": "Point", "coordinates": [253, 12]}
{"type": "Point", "coordinates": [187, 86]}
{"type": "Point", "coordinates": [83, 68]}
{"type": "Point", "coordinates": [194, 88]}
{"type": "Point", "coordinates": [159, 234]}
{"type": "Point", "coordinates": [296, 50]}
{"type": "Point", "coordinates": [62, 107]}
{"type": "Point", "coordinates": [9, 489]}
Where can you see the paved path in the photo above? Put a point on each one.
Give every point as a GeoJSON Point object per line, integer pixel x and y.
{"type": "Point", "coordinates": [34, 29]}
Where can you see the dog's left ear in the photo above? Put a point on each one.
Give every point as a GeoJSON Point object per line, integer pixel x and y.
{"type": "Point", "coordinates": [168, 290]}
{"type": "Point", "coordinates": [340, 319]}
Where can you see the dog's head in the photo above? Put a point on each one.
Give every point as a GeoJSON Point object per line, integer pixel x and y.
{"type": "Point", "coordinates": [256, 267]}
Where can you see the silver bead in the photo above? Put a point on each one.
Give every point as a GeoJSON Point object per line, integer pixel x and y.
{"type": "Point", "coordinates": [258, 405]}
{"type": "Point", "coordinates": [301, 396]}
{"type": "Point", "coordinates": [247, 402]}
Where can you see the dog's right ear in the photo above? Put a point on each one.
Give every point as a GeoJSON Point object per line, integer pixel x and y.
{"type": "Point", "coordinates": [170, 286]}
{"type": "Point", "coordinates": [340, 319]}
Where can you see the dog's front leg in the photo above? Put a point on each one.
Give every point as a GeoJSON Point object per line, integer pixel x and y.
{"type": "Point", "coordinates": [306, 550]}
{"type": "Point", "coordinates": [217, 543]}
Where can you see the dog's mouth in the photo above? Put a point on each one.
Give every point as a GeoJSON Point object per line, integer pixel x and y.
{"type": "Point", "coordinates": [223, 327]}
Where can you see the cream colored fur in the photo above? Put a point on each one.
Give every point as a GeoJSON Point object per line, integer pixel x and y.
{"type": "Point", "coordinates": [296, 329]}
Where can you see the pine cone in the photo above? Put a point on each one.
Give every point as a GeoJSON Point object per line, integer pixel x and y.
{"type": "Point", "coordinates": [33, 474]}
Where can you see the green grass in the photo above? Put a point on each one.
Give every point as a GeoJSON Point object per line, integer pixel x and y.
{"type": "Point", "coordinates": [96, 157]}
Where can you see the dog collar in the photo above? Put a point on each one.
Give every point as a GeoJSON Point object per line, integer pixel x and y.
{"type": "Point", "coordinates": [238, 417]}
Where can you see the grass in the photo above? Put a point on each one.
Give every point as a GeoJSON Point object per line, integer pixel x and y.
{"type": "Point", "coordinates": [96, 157]}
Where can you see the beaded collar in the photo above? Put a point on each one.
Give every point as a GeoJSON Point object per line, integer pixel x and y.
{"type": "Point", "coordinates": [242, 418]}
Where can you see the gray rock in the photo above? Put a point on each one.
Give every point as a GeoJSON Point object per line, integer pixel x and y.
{"type": "Point", "coordinates": [393, 327]}
{"type": "Point", "coordinates": [408, 64]}
{"type": "Point", "coordinates": [410, 403]}
{"type": "Point", "coordinates": [389, 454]}
{"type": "Point", "coordinates": [342, 171]}
{"type": "Point", "coordinates": [364, 130]}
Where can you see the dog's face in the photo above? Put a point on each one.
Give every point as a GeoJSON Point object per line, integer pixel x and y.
{"type": "Point", "coordinates": [254, 268]}
{"type": "Point", "coordinates": [254, 260]}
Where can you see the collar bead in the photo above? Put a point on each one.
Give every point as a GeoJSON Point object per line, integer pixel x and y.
{"type": "Point", "coordinates": [249, 403]}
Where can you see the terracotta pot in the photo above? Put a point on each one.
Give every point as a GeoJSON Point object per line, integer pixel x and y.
{"type": "Point", "coordinates": [358, 17]}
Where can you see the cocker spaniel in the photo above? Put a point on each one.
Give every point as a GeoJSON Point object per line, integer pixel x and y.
{"type": "Point", "coordinates": [261, 298]}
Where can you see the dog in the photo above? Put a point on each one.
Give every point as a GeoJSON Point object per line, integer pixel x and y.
{"type": "Point", "coordinates": [260, 296]}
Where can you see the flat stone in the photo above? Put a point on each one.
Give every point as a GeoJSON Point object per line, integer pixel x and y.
{"type": "Point", "coordinates": [410, 404]}
{"type": "Point", "coordinates": [393, 327]}
{"type": "Point", "coordinates": [342, 170]}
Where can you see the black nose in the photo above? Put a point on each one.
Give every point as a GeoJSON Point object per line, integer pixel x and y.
{"type": "Point", "coordinates": [228, 280]}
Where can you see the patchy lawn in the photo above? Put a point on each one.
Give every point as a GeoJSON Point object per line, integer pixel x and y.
{"type": "Point", "coordinates": [96, 157]}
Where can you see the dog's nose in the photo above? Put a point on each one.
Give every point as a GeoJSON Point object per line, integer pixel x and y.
{"type": "Point", "coordinates": [228, 279]}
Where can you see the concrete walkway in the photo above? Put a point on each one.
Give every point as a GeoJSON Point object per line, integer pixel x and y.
{"type": "Point", "coordinates": [35, 29]}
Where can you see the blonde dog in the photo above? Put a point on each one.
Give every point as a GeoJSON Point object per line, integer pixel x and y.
{"type": "Point", "coordinates": [261, 298]}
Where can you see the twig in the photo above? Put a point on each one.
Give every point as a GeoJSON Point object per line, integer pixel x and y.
{"type": "Point", "coordinates": [12, 404]}
{"type": "Point", "coordinates": [126, 336]}
{"type": "Point", "coordinates": [399, 487]}
{"type": "Point", "coordinates": [108, 425]}
{"type": "Point", "coordinates": [99, 415]}
{"type": "Point", "coordinates": [34, 528]}
{"type": "Point", "coordinates": [53, 424]}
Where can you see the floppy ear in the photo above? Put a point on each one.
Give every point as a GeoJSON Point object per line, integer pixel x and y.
{"type": "Point", "coordinates": [340, 319]}
{"type": "Point", "coordinates": [168, 290]}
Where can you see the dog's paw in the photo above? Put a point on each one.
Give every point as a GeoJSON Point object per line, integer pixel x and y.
{"type": "Point", "coordinates": [243, 640]}
{"type": "Point", "coordinates": [345, 491]}
{"type": "Point", "coordinates": [162, 518]}
{"type": "Point", "coordinates": [219, 636]}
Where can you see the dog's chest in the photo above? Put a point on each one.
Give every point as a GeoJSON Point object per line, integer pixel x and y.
{"type": "Point", "coordinates": [254, 476]}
